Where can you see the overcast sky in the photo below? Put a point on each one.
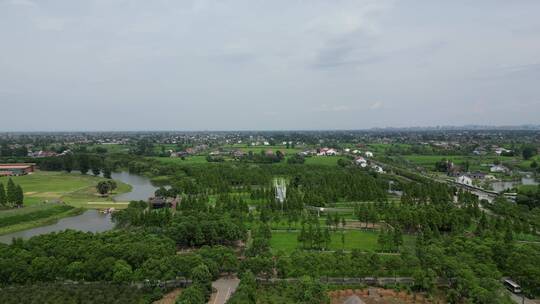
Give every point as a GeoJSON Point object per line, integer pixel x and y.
{"type": "Point", "coordinates": [222, 65]}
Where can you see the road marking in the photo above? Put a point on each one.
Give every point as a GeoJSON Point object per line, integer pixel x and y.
{"type": "Point", "coordinates": [227, 295]}
{"type": "Point", "coordinates": [217, 295]}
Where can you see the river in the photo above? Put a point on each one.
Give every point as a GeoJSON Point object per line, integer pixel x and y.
{"type": "Point", "coordinates": [142, 189]}
{"type": "Point", "coordinates": [92, 220]}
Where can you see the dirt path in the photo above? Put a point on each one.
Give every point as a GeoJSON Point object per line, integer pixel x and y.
{"type": "Point", "coordinates": [170, 297]}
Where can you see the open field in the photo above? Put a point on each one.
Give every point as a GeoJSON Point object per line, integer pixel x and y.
{"type": "Point", "coordinates": [354, 239]}
{"type": "Point", "coordinates": [72, 188]}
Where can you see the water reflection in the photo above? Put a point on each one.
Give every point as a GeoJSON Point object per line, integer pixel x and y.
{"type": "Point", "coordinates": [90, 220]}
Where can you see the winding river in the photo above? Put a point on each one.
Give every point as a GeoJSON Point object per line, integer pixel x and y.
{"type": "Point", "coordinates": [92, 220]}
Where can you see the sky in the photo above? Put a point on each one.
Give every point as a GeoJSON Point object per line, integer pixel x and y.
{"type": "Point", "coordinates": [267, 65]}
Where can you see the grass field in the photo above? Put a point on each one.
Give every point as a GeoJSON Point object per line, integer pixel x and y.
{"type": "Point", "coordinates": [75, 189]}
{"type": "Point", "coordinates": [354, 239]}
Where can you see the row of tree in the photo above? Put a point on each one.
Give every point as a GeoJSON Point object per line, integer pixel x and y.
{"type": "Point", "coordinates": [12, 195]}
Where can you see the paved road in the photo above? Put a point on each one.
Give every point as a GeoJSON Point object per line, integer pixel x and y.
{"type": "Point", "coordinates": [517, 299]}
{"type": "Point", "coordinates": [225, 288]}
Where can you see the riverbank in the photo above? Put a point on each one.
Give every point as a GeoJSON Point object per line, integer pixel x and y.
{"type": "Point", "coordinates": [37, 216]}
{"type": "Point", "coordinates": [81, 219]}
{"type": "Point", "coordinates": [71, 188]}
{"type": "Point", "coordinates": [59, 200]}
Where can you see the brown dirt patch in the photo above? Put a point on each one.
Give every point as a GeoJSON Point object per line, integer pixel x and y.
{"type": "Point", "coordinates": [169, 298]}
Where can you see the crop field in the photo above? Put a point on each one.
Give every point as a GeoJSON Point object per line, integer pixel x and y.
{"type": "Point", "coordinates": [72, 188]}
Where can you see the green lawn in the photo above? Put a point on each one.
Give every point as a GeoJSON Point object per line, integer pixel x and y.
{"type": "Point", "coordinates": [354, 239]}
{"type": "Point", "coordinates": [72, 188]}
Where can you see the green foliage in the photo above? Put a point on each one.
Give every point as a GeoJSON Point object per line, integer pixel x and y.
{"type": "Point", "coordinates": [60, 293]}
{"type": "Point", "coordinates": [3, 198]}
{"type": "Point", "coordinates": [194, 294]}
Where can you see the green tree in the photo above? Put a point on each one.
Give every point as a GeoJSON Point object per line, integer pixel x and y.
{"type": "Point", "coordinates": [103, 187]}
{"type": "Point", "coordinates": [194, 294]}
{"type": "Point", "coordinates": [3, 198]}
{"type": "Point", "coordinates": [122, 271]}
{"type": "Point", "coordinates": [11, 192]}
{"type": "Point", "coordinates": [95, 165]}
{"type": "Point", "coordinates": [84, 163]}
{"type": "Point", "coordinates": [112, 185]}
{"type": "Point", "coordinates": [528, 151]}
{"type": "Point", "coordinates": [107, 172]}
{"type": "Point", "coordinates": [67, 162]}
{"type": "Point", "coordinates": [201, 276]}
{"type": "Point", "coordinates": [19, 196]}
{"type": "Point", "coordinates": [310, 291]}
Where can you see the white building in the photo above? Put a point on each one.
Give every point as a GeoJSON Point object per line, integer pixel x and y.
{"type": "Point", "coordinates": [327, 152]}
{"type": "Point", "coordinates": [500, 151]}
{"type": "Point", "coordinates": [377, 169]}
{"type": "Point", "coordinates": [465, 180]}
{"type": "Point", "coordinates": [360, 161]}
{"type": "Point", "coordinates": [368, 154]}
{"type": "Point", "coordinates": [498, 169]}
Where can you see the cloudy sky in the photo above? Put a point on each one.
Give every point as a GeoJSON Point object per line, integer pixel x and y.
{"type": "Point", "coordinates": [221, 65]}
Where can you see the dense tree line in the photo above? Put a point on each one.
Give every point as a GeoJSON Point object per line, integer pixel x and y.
{"type": "Point", "coordinates": [60, 293]}
{"type": "Point", "coordinates": [194, 223]}
{"type": "Point", "coordinates": [12, 195]}
{"type": "Point", "coordinates": [120, 257]}
{"type": "Point", "coordinates": [307, 290]}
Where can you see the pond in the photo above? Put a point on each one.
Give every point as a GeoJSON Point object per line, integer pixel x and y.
{"type": "Point", "coordinates": [141, 189]}
{"type": "Point", "coordinates": [90, 220]}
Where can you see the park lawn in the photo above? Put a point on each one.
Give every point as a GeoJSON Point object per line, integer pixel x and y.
{"type": "Point", "coordinates": [323, 160]}
{"type": "Point", "coordinates": [354, 239]}
{"type": "Point", "coordinates": [72, 188]}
